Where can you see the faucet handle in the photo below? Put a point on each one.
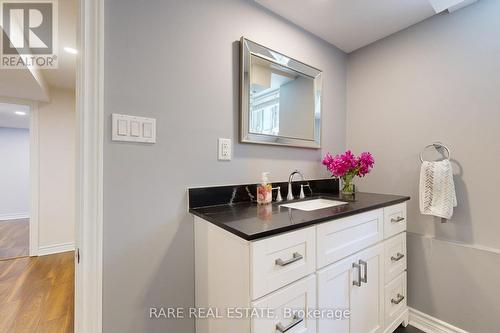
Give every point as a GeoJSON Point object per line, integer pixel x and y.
{"type": "Point", "coordinates": [278, 195]}
{"type": "Point", "coordinates": [302, 195]}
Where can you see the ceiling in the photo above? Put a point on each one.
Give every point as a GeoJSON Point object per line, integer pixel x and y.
{"type": "Point", "coordinates": [35, 84]}
{"type": "Point", "coordinates": [352, 24]}
{"type": "Point", "coordinates": [23, 84]}
{"type": "Point", "coordinates": [8, 118]}
{"type": "Point", "coordinates": [65, 76]}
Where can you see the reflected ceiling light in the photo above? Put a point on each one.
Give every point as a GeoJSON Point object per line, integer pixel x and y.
{"type": "Point", "coordinates": [20, 113]}
{"type": "Point", "coordinates": [71, 50]}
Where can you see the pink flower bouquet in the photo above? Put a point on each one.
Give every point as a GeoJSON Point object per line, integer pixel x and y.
{"type": "Point", "coordinates": [346, 166]}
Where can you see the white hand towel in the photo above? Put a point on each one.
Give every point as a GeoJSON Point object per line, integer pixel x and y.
{"type": "Point", "coordinates": [437, 189]}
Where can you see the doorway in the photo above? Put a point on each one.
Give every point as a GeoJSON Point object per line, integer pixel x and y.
{"type": "Point", "coordinates": [38, 198]}
{"type": "Point", "coordinates": [89, 164]}
{"type": "Point", "coordinates": [15, 212]}
{"type": "Point", "coordinates": [38, 271]}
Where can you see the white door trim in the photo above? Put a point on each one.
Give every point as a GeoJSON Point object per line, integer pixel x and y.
{"type": "Point", "coordinates": [34, 170]}
{"type": "Point", "coordinates": [90, 115]}
{"type": "Point", "coordinates": [34, 179]}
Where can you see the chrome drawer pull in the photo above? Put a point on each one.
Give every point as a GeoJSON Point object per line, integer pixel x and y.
{"type": "Point", "coordinates": [365, 277]}
{"type": "Point", "coordinates": [296, 320]}
{"type": "Point", "coordinates": [296, 257]}
{"type": "Point", "coordinates": [358, 267]}
{"type": "Point", "coordinates": [398, 257]}
{"type": "Point", "coordinates": [398, 299]}
{"type": "Point", "coordinates": [397, 219]}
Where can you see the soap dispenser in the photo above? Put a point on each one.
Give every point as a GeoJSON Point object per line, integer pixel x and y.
{"type": "Point", "coordinates": [264, 190]}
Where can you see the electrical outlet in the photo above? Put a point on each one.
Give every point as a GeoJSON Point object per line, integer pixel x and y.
{"type": "Point", "coordinates": [224, 149]}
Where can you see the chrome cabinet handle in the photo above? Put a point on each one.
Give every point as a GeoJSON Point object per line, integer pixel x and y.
{"type": "Point", "coordinates": [296, 320]}
{"type": "Point", "coordinates": [398, 257]}
{"type": "Point", "coordinates": [398, 299]}
{"type": "Point", "coordinates": [365, 277]}
{"type": "Point", "coordinates": [358, 267]}
{"type": "Point", "coordinates": [296, 257]}
{"type": "Point", "coordinates": [397, 219]}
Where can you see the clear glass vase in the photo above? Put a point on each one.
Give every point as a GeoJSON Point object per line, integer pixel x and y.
{"type": "Point", "coordinates": [347, 186]}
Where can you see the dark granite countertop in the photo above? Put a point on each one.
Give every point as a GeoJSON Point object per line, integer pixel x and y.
{"type": "Point", "coordinates": [252, 222]}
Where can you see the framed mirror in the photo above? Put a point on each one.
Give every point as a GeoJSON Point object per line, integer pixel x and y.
{"type": "Point", "coordinates": [280, 99]}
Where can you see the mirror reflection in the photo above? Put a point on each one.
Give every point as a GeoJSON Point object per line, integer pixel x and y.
{"type": "Point", "coordinates": [281, 100]}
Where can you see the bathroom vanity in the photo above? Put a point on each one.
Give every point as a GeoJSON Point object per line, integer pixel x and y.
{"type": "Point", "coordinates": [347, 261]}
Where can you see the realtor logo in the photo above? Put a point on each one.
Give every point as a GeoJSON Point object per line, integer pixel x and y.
{"type": "Point", "coordinates": [29, 37]}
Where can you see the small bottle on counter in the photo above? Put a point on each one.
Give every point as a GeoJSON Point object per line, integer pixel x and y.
{"type": "Point", "coordinates": [264, 190]}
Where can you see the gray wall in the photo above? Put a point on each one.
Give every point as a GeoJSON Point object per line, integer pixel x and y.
{"type": "Point", "coordinates": [438, 80]}
{"type": "Point", "coordinates": [177, 61]}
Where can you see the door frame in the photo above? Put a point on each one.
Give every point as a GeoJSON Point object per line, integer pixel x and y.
{"type": "Point", "coordinates": [34, 180]}
{"type": "Point", "coordinates": [90, 138]}
{"type": "Point", "coordinates": [34, 170]}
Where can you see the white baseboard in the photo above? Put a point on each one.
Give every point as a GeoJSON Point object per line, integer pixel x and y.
{"type": "Point", "coordinates": [402, 319]}
{"type": "Point", "coordinates": [429, 324]}
{"type": "Point", "coordinates": [5, 217]}
{"type": "Point", "coordinates": [58, 248]}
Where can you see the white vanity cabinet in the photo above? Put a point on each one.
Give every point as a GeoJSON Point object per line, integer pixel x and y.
{"type": "Point", "coordinates": [355, 265]}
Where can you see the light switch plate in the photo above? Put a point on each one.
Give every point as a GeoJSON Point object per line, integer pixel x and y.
{"type": "Point", "coordinates": [122, 127]}
{"type": "Point", "coordinates": [147, 130]}
{"type": "Point", "coordinates": [224, 149]}
{"type": "Point", "coordinates": [133, 129]}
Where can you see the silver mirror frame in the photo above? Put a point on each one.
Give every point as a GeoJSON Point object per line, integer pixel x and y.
{"type": "Point", "coordinates": [249, 48]}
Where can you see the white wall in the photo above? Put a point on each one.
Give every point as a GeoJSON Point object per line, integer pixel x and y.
{"type": "Point", "coordinates": [14, 173]}
{"type": "Point", "coordinates": [56, 121]}
{"type": "Point", "coordinates": [178, 61]}
{"type": "Point", "coordinates": [438, 80]}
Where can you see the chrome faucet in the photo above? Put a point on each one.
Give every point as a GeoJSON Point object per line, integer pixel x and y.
{"type": "Point", "coordinates": [290, 178]}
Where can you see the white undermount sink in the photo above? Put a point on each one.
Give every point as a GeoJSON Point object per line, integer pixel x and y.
{"type": "Point", "coordinates": [314, 204]}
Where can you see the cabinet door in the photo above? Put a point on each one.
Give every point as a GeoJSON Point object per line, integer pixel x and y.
{"type": "Point", "coordinates": [334, 293]}
{"type": "Point", "coordinates": [341, 287]}
{"type": "Point", "coordinates": [367, 300]}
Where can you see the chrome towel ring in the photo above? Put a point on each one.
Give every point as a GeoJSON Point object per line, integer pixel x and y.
{"type": "Point", "coordinates": [436, 146]}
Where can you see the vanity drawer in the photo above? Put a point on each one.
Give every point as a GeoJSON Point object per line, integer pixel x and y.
{"type": "Point", "coordinates": [395, 256]}
{"type": "Point", "coordinates": [340, 238]}
{"type": "Point", "coordinates": [395, 298]}
{"type": "Point", "coordinates": [280, 260]}
{"type": "Point", "coordinates": [300, 295]}
{"type": "Point", "coordinates": [394, 220]}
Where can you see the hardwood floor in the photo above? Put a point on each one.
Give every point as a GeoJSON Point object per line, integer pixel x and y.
{"type": "Point", "coordinates": [14, 238]}
{"type": "Point", "coordinates": [37, 294]}
{"type": "Point", "coordinates": [408, 329]}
